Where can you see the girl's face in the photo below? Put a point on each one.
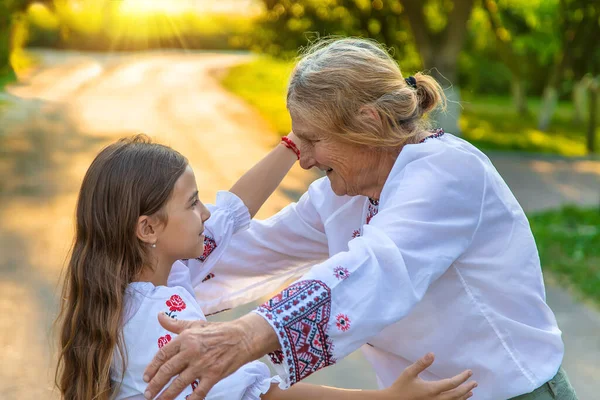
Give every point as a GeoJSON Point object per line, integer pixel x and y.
{"type": "Point", "coordinates": [183, 235]}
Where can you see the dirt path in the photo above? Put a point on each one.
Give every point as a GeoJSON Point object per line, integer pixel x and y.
{"type": "Point", "coordinates": [60, 118]}
{"type": "Point", "coordinates": [63, 114]}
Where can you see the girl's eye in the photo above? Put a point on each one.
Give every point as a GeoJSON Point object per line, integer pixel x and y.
{"type": "Point", "coordinates": [195, 203]}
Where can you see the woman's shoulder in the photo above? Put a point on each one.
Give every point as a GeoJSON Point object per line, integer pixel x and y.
{"type": "Point", "coordinates": [442, 167]}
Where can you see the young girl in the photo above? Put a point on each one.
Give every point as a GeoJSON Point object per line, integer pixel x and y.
{"type": "Point", "coordinates": [138, 213]}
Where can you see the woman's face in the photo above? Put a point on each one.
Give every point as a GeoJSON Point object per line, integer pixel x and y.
{"type": "Point", "coordinates": [352, 169]}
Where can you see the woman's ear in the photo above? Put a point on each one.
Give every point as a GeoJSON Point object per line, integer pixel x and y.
{"type": "Point", "coordinates": [371, 114]}
{"type": "Point", "coordinates": [147, 229]}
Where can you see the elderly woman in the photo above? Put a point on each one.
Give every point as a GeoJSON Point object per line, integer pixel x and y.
{"type": "Point", "coordinates": [415, 241]}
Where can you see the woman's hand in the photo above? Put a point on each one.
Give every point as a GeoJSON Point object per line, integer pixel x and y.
{"type": "Point", "coordinates": [410, 387]}
{"type": "Point", "coordinates": [208, 351]}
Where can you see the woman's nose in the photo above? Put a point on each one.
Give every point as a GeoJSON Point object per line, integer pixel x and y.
{"type": "Point", "coordinates": [307, 160]}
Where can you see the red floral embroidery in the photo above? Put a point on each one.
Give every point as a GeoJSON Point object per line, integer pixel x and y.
{"type": "Point", "coordinates": [300, 316]}
{"type": "Point", "coordinates": [176, 303]}
{"type": "Point", "coordinates": [341, 273]}
{"type": "Point", "coordinates": [207, 277]}
{"type": "Point", "coordinates": [163, 340]}
{"type": "Point", "coordinates": [209, 246]}
{"type": "Point", "coordinates": [342, 322]}
{"type": "Point", "coordinates": [355, 234]}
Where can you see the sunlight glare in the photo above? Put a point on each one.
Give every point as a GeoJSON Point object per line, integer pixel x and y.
{"type": "Point", "coordinates": [153, 6]}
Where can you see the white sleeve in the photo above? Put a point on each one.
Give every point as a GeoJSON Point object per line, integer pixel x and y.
{"type": "Point", "coordinates": [229, 215]}
{"type": "Point", "coordinates": [261, 259]}
{"type": "Point", "coordinates": [247, 383]}
{"type": "Point", "coordinates": [428, 215]}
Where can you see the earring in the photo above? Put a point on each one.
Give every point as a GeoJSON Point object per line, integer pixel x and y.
{"type": "Point", "coordinates": [153, 245]}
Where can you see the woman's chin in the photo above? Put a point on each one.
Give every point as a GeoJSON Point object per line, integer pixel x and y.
{"type": "Point", "coordinates": [339, 190]}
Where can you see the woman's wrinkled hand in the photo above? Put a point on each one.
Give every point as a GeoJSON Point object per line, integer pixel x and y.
{"type": "Point", "coordinates": [207, 351]}
{"type": "Point", "coordinates": [410, 387]}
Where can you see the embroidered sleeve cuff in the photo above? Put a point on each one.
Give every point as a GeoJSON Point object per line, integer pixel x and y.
{"type": "Point", "coordinates": [239, 212]}
{"type": "Point", "coordinates": [300, 316]}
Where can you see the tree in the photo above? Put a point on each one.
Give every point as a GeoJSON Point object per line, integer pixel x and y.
{"type": "Point", "coordinates": [438, 26]}
{"type": "Point", "coordinates": [440, 46]}
{"type": "Point", "coordinates": [9, 12]}
{"type": "Point", "coordinates": [578, 25]}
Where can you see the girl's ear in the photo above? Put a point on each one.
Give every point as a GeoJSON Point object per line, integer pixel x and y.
{"type": "Point", "coordinates": [147, 229]}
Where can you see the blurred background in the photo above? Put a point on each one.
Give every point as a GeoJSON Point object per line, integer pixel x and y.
{"type": "Point", "coordinates": [209, 78]}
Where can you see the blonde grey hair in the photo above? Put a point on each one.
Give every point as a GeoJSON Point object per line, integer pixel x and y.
{"type": "Point", "coordinates": [337, 82]}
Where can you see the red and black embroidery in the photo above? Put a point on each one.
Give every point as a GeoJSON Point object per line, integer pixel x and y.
{"type": "Point", "coordinates": [300, 315]}
{"type": "Point", "coordinates": [194, 386]}
{"type": "Point", "coordinates": [342, 322]}
{"type": "Point", "coordinates": [372, 210]}
{"type": "Point", "coordinates": [209, 276]}
{"type": "Point", "coordinates": [175, 304]}
{"type": "Point", "coordinates": [355, 234]}
{"type": "Point", "coordinates": [209, 246]}
{"type": "Point", "coordinates": [163, 340]}
{"type": "Point", "coordinates": [341, 273]}
{"type": "Point", "coordinates": [438, 132]}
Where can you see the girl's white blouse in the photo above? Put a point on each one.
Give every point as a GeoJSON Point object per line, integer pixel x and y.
{"type": "Point", "coordinates": [143, 335]}
{"type": "Point", "coordinates": [444, 262]}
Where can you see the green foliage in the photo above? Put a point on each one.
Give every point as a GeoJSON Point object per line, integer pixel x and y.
{"type": "Point", "coordinates": [288, 25]}
{"type": "Point", "coordinates": [567, 241]}
{"type": "Point", "coordinates": [489, 122]}
{"type": "Point", "coordinates": [263, 83]}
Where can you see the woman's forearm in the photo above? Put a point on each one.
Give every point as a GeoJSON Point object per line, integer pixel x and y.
{"type": "Point", "coordinates": [302, 391]}
{"type": "Point", "coordinates": [256, 185]}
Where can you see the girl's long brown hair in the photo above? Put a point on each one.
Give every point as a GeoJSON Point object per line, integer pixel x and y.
{"type": "Point", "coordinates": [130, 178]}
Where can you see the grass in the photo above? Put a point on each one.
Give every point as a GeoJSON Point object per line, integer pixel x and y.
{"type": "Point", "coordinates": [262, 83]}
{"type": "Point", "coordinates": [568, 242]}
{"type": "Point", "coordinates": [6, 77]}
{"type": "Point", "coordinates": [488, 122]}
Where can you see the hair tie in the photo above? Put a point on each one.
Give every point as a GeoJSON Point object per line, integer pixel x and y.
{"type": "Point", "coordinates": [411, 81]}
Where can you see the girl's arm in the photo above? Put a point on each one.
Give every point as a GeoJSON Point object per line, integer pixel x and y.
{"type": "Point", "coordinates": [407, 387]}
{"type": "Point", "coordinates": [256, 185]}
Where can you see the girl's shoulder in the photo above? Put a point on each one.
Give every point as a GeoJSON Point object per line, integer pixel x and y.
{"type": "Point", "coordinates": [144, 301]}
{"type": "Point", "coordinates": [143, 335]}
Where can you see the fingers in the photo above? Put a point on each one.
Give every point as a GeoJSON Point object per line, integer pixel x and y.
{"type": "Point", "coordinates": [454, 382]}
{"type": "Point", "coordinates": [464, 391]}
{"type": "Point", "coordinates": [155, 372]}
{"type": "Point", "coordinates": [178, 385]}
{"type": "Point", "coordinates": [460, 393]}
{"type": "Point", "coordinates": [173, 325]}
{"type": "Point", "coordinates": [202, 390]}
{"type": "Point", "coordinates": [420, 365]}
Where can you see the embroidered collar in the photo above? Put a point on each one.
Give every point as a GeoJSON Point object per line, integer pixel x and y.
{"type": "Point", "coordinates": [438, 133]}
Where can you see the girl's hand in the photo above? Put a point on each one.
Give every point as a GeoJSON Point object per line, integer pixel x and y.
{"type": "Point", "coordinates": [410, 387]}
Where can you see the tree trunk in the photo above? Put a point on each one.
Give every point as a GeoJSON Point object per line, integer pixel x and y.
{"type": "Point", "coordinates": [593, 111]}
{"type": "Point", "coordinates": [446, 73]}
{"type": "Point", "coordinates": [549, 102]}
{"type": "Point", "coordinates": [5, 49]}
{"type": "Point", "coordinates": [519, 95]}
{"type": "Point", "coordinates": [512, 60]}
{"type": "Point", "coordinates": [580, 90]}
{"type": "Point", "coordinates": [439, 52]}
